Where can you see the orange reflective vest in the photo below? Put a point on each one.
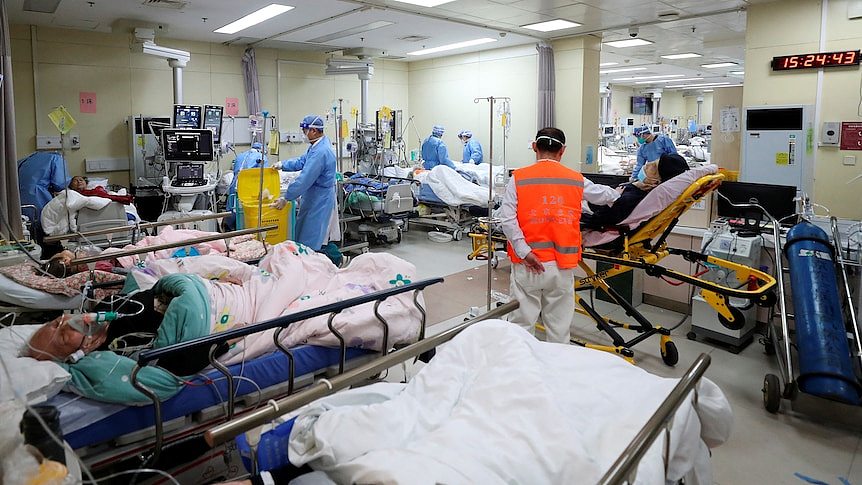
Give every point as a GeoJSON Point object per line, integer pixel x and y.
{"type": "Point", "coordinates": [549, 212]}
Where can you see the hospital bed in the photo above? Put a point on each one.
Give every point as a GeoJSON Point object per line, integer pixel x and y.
{"type": "Point", "coordinates": [167, 435]}
{"type": "Point", "coordinates": [650, 438]}
{"type": "Point", "coordinates": [455, 218]}
{"type": "Point", "coordinates": [382, 204]}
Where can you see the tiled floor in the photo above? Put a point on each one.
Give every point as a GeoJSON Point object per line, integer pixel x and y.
{"type": "Point", "coordinates": [763, 448]}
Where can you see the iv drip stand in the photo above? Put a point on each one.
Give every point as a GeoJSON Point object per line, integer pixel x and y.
{"type": "Point", "coordinates": [491, 221]}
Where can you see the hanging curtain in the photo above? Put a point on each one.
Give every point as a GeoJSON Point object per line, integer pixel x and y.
{"type": "Point", "coordinates": [249, 78]}
{"type": "Point", "coordinates": [10, 202]}
{"type": "Point", "coordinates": [547, 83]}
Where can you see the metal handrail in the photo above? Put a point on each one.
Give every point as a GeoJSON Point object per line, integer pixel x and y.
{"type": "Point", "coordinates": [625, 467]}
{"type": "Point", "coordinates": [145, 225]}
{"type": "Point", "coordinates": [230, 429]}
{"type": "Point", "coordinates": [836, 241]}
{"type": "Point", "coordinates": [221, 337]}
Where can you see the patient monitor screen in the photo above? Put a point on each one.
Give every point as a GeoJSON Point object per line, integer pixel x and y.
{"type": "Point", "coordinates": [188, 145]}
{"type": "Point", "coordinates": [212, 121]}
{"type": "Point", "coordinates": [778, 200]}
{"type": "Point", "coordinates": [190, 171]}
{"type": "Point", "coordinates": [186, 116]}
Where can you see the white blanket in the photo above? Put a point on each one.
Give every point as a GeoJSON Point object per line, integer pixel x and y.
{"type": "Point", "coordinates": [59, 213]}
{"type": "Point", "coordinates": [481, 172]}
{"type": "Point", "coordinates": [496, 406]}
{"type": "Point", "coordinates": [453, 189]}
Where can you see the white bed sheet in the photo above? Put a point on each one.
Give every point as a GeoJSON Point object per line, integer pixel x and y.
{"type": "Point", "coordinates": [497, 406]}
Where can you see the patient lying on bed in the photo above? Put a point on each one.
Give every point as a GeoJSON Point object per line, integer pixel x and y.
{"type": "Point", "coordinates": [654, 174]}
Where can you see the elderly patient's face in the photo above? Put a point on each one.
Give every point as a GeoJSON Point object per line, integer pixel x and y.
{"type": "Point", "coordinates": [56, 340]}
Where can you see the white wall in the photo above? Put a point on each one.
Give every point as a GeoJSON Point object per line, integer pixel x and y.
{"type": "Point", "coordinates": [441, 91]}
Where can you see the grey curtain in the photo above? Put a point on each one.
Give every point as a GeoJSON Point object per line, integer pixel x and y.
{"type": "Point", "coordinates": [547, 86]}
{"type": "Point", "coordinates": [10, 201]}
{"type": "Point", "coordinates": [249, 78]}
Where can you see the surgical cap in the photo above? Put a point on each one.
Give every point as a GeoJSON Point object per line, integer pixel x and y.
{"type": "Point", "coordinates": [465, 134]}
{"type": "Point", "coordinates": [437, 130]}
{"type": "Point", "coordinates": [312, 121]}
{"type": "Point", "coordinates": [642, 130]}
{"type": "Point", "coordinates": [257, 145]}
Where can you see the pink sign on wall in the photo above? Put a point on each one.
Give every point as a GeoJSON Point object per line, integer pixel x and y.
{"type": "Point", "coordinates": [88, 102]}
{"type": "Point", "coordinates": [231, 106]}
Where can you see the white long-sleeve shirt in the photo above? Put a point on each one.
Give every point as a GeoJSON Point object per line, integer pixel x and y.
{"type": "Point", "coordinates": [508, 212]}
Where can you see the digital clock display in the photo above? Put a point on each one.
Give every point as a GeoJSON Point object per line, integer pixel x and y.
{"type": "Point", "coordinates": [814, 61]}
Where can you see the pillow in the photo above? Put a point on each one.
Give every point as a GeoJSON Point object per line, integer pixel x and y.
{"type": "Point", "coordinates": [33, 379]}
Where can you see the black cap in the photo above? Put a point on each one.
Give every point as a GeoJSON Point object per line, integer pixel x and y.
{"type": "Point", "coordinates": [671, 165]}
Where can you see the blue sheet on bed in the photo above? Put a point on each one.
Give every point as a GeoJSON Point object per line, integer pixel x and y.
{"type": "Point", "coordinates": [116, 420]}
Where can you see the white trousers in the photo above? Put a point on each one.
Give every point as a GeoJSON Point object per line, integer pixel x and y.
{"type": "Point", "coordinates": [551, 294]}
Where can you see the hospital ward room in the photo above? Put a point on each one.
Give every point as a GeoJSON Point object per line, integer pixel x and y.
{"type": "Point", "coordinates": [301, 242]}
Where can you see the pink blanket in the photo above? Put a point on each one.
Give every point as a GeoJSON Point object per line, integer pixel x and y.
{"type": "Point", "coordinates": [293, 278]}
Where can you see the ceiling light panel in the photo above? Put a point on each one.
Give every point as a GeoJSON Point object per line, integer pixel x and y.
{"type": "Point", "coordinates": [624, 69]}
{"type": "Point", "coordinates": [687, 55]}
{"type": "Point", "coordinates": [425, 3]}
{"type": "Point", "coordinates": [702, 85]}
{"type": "Point", "coordinates": [737, 73]}
{"type": "Point", "coordinates": [637, 78]}
{"type": "Point", "coordinates": [254, 18]}
{"type": "Point", "coordinates": [719, 64]}
{"type": "Point", "coordinates": [41, 6]}
{"type": "Point", "coordinates": [352, 31]}
{"type": "Point", "coordinates": [449, 47]}
{"type": "Point", "coordinates": [670, 80]}
{"type": "Point", "coordinates": [606, 64]}
{"type": "Point", "coordinates": [552, 25]}
{"type": "Point", "coordinates": [628, 43]}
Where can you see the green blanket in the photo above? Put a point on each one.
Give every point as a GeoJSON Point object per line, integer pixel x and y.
{"type": "Point", "coordinates": [106, 376]}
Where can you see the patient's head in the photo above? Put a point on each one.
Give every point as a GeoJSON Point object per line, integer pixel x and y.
{"type": "Point", "coordinates": [671, 165]}
{"type": "Point", "coordinates": [78, 183]}
{"type": "Point", "coordinates": [60, 265]}
{"type": "Point", "coordinates": [57, 340]}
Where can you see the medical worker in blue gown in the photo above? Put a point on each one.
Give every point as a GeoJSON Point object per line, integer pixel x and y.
{"type": "Point", "coordinates": [251, 158]}
{"type": "Point", "coordinates": [652, 147]}
{"type": "Point", "coordinates": [39, 176]}
{"type": "Point", "coordinates": [434, 151]}
{"type": "Point", "coordinates": [472, 148]}
{"type": "Point", "coordinates": [316, 186]}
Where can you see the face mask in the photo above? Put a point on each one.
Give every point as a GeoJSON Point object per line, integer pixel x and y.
{"type": "Point", "coordinates": [642, 175]}
{"type": "Point", "coordinates": [641, 140]}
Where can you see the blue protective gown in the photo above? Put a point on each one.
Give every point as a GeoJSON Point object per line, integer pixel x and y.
{"type": "Point", "coordinates": [247, 159]}
{"type": "Point", "coordinates": [472, 152]}
{"type": "Point", "coordinates": [653, 150]}
{"type": "Point", "coordinates": [316, 186]}
{"type": "Point", "coordinates": [434, 153]}
{"type": "Point", "coordinates": [39, 175]}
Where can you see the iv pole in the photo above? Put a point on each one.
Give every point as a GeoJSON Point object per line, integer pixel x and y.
{"type": "Point", "coordinates": [490, 220]}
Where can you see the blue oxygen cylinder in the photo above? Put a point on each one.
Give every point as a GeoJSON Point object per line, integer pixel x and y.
{"type": "Point", "coordinates": [825, 362]}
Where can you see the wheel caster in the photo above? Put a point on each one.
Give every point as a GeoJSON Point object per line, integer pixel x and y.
{"type": "Point", "coordinates": [738, 319]}
{"type": "Point", "coordinates": [670, 355]}
{"type": "Point", "coordinates": [771, 393]}
{"type": "Point", "coordinates": [495, 261]}
{"type": "Point", "coordinates": [691, 336]}
{"type": "Point", "coordinates": [457, 235]}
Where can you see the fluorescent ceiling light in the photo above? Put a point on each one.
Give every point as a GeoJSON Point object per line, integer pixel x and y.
{"type": "Point", "coordinates": [703, 85]}
{"type": "Point", "coordinates": [670, 80]}
{"type": "Point", "coordinates": [708, 90]}
{"type": "Point", "coordinates": [719, 64]}
{"type": "Point", "coordinates": [254, 18]}
{"type": "Point", "coordinates": [550, 25]}
{"type": "Point", "coordinates": [425, 3]}
{"type": "Point", "coordinates": [737, 73]}
{"type": "Point", "coordinates": [635, 78]}
{"type": "Point", "coordinates": [449, 47]}
{"type": "Point", "coordinates": [687, 55]}
{"type": "Point", "coordinates": [605, 64]}
{"type": "Point", "coordinates": [628, 43]}
{"type": "Point", "coordinates": [625, 69]}
{"type": "Point", "coordinates": [353, 31]}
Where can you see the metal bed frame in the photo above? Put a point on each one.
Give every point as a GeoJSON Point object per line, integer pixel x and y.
{"type": "Point", "coordinates": [149, 455]}
{"type": "Point", "coordinates": [622, 471]}
{"type": "Point", "coordinates": [135, 229]}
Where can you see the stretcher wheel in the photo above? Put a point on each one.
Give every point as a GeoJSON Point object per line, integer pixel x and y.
{"type": "Point", "coordinates": [670, 355]}
{"type": "Point", "coordinates": [767, 299]}
{"type": "Point", "coordinates": [771, 393]}
{"type": "Point", "coordinates": [495, 261]}
{"type": "Point", "coordinates": [738, 319]}
{"type": "Point", "coordinates": [457, 235]}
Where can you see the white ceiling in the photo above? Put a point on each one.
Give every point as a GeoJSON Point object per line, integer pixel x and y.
{"type": "Point", "coordinates": [714, 28]}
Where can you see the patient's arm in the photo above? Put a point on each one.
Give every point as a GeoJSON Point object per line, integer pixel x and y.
{"type": "Point", "coordinates": [599, 194]}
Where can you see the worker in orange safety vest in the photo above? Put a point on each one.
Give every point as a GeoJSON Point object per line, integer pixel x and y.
{"type": "Point", "coordinates": [540, 215]}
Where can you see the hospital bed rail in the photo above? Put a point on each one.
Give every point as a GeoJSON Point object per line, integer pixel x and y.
{"type": "Point", "coordinates": [625, 467]}
{"type": "Point", "coordinates": [279, 323]}
{"type": "Point", "coordinates": [134, 227]}
{"type": "Point", "coordinates": [227, 431]}
{"type": "Point", "coordinates": [178, 244]}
